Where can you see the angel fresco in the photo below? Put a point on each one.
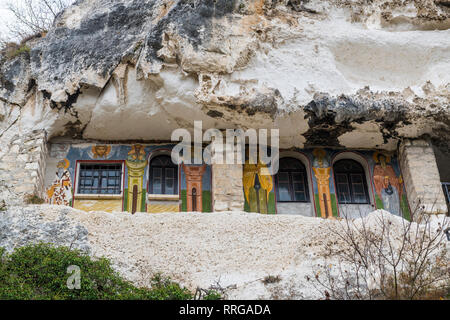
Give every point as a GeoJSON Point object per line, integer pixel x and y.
{"type": "Point", "coordinates": [387, 185]}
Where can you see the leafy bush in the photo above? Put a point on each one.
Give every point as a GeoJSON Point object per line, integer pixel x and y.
{"type": "Point", "coordinates": [212, 295]}
{"type": "Point", "coordinates": [33, 199]}
{"type": "Point", "coordinates": [40, 272]}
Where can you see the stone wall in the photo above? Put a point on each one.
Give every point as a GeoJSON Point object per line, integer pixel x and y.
{"type": "Point", "coordinates": [227, 184]}
{"type": "Point", "coordinates": [227, 187]}
{"type": "Point", "coordinates": [22, 167]}
{"type": "Point", "coordinates": [421, 176]}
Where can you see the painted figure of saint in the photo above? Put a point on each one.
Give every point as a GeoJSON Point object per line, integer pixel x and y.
{"type": "Point", "coordinates": [321, 168]}
{"type": "Point", "coordinates": [137, 153]}
{"type": "Point", "coordinates": [60, 192]}
{"type": "Point", "coordinates": [136, 163]}
{"type": "Point", "coordinates": [387, 185]}
{"type": "Point", "coordinates": [100, 152]}
{"type": "Point", "coordinates": [257, 186]}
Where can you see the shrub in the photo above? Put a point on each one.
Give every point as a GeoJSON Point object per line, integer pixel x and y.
{"type": "Point", "coordinates": [212, 295]}
{"type": "Point", "coordinates": [14, 52]}
{"type": "Point", "coordinates": [386, 260]}
{"type": "Point", "coordinates": [3, 206]}
{"type": "Point", "coordinates": [271, 279]}
{"type": "Point", "coordinates": [39, 272]}
{"type": "Point", "coordinates": [33, 199]}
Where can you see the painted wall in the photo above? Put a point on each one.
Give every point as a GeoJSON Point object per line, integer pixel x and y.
{"type": "Point", "coordinates": [382, 169]}
{"type": "Point", "coordinates": [61, 178]}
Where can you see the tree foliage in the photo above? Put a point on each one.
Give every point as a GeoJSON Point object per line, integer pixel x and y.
{"type": "Point", "coordinates": [33, 17]}
{"type": "Point", "coordinates": [40, 272]}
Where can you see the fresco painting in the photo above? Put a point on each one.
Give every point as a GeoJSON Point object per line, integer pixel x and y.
{"type": "Point", "coordinates": [106, 205]}
{"type": "Point", "coordinates": [321, 168]}
{"type": "Point", "coordinates": [196, 177]}
{"type": "Point", "coordinates": [136, 163]}
{"type": "Point", "coordinates": [258, 186]}
{"type": "Point", "coordinates": [386, 187]}
{"type": "Point", "coordinates": [134, 195]}
{"type": "Point", "coordinates": [60, 192]}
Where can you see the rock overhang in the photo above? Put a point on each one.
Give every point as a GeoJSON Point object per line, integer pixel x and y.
{"type": "Point", "coordinates": [253, 65]}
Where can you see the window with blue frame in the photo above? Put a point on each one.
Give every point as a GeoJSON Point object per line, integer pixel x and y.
{"type": "Point", "coordinates": [100, 178]}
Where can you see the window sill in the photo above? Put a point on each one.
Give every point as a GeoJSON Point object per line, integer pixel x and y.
{"type": "Point", "coordinates": [98, 197]}
{"type": "Point", "coordinates": [167, 197]}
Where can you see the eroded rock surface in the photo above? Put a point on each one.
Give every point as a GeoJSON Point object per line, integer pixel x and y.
{"type": "Point", "coordinates": [21, 226]}
{"type": "Point", "coordinates": [337, 73]}
{"type": "Point", "coordinates": [235, 249]}
{"type": "Point", "coordinates": [325, 66]}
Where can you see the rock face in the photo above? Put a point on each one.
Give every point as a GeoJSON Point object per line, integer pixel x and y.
{"type": "Point", "coordinates": [22, 226]}
{"type": "Point", "coordinates": [337, 66]}
{"type": "Point", "coordinates": [336, 73]}
{"type": "Point", "coordinates": [236, 249]}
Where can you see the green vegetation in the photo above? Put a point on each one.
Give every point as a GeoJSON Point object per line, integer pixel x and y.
{"type": "Point", "coordinates": [12, 53]}
{"type": "Point", "coordinates": [212, 295]}
{"type": "Point", "coordinates": [40, 272]}
{"type": "Point", "coordinates": [33, 199]}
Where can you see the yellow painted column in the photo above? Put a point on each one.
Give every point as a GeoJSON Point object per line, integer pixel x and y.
{"type": "Point", "coordinates": [322, 169]}
{"type": "Point", "coordinates": [136, 164]}
{"type": "Point", "coordinates": [323, 183]}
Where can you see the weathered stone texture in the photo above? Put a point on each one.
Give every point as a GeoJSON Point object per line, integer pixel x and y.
{"type": "Point", "coordinates": [22, 167]}
{"type": "Point", "coordinates": [24, 225]}
{"type": "Point", "coordinates": [227, 187]}
{"type": "Point", "coordinates": [421, 177]}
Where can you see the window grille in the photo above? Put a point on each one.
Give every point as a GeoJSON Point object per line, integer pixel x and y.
{"type": "Point", "coordinates": [100, 178]}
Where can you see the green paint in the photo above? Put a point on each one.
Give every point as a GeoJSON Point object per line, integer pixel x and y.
{"type": "Point", "coordinates": [252, 200]}
{"type": "Point", "coordinates": [143, 202]}
{"type": "Point", "coordinates": [405, 208]}
{"type": "Point", "coordinates": [334, 208]}
{"type": "Point", "coordinates": [266, 207]}
{"type": "Point", "coordinates": [246, 205]}
{"type": "Point", "coordinates": [71, 200]}
{"type": "Point", "coordinates": [271, 204]}
{"type": "Point", "coordinates": [317, 201]}
{"type": "Point", "coordinates": [183, 200]}
{"type": "Point", "coordinates": [206, 201]}
{"type": "Point", "coordinates": [378, 202]}
{"type": "Point", "coordinates": [125, 199]}
{"type": "Point", "coordinates": [334, 205]}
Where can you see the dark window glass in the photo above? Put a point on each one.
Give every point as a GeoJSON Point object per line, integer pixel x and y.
{"type": "Point", "coordinates": [446, 186]}
{"type": "Point", "coordinates": [291, 181]}
{"type": "Point", "coordinates": [100, 178]}
{"type": "Point", "coordinates": [163, 176]}
{"type": "Point", "coordinates": [351, 182]}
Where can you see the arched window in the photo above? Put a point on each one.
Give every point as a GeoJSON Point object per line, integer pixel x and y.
{"type": "Point", "coordinates": [351, 182]}
{"type": "Point", "coordinates": [291, 181]}
{"type": "Point", "coordinates": [163, 176]}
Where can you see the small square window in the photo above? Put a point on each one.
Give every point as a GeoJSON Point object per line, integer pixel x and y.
{"type": "Point", "coordinates": [100, 178]}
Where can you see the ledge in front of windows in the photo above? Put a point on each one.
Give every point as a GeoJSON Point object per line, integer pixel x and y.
{"type": "Point", "coordinates": [166, 197]}
{"type": "Point", "coordinates": [98, 197]}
